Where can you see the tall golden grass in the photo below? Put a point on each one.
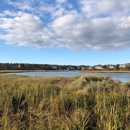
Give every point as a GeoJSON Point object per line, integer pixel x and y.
{"type": "Point", "coordinates": [55, 103]}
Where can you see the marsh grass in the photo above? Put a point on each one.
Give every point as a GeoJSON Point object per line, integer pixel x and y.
{"type": "Point", "coordinates": [88, 102]}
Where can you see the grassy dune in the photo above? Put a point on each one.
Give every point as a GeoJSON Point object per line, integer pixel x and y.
{"type": "Point", "coordinates": [55, 103]}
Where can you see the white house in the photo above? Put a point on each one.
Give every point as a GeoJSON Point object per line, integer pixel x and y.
{"type": "Point", "coordinates": [79, 68]}
{"type": "Point", "coordinates": [111, 67]}
{"type": "Point", "coordinates": [98, 68]}
{"type": "Point", "coordinates": [83, 68]}
{"type": "Point", "coordinates": [122, 65]}
{"type": "Point", "coordinates": [19, 66]}
{"type": "Point", "coordinates": [90, 68]}
{"type": "Point", "coordinates": [54, 67]}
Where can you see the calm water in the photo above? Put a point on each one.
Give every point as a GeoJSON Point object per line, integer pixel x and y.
{"type": "Point", "coordinates": [124, 77]}
{"type": "Point", "coordinates": [44, 74]}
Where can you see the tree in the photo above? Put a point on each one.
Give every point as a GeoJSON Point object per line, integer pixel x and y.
{"type": "Point", "coordinates": [117, 67]}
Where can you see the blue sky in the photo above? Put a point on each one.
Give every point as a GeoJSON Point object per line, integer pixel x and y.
{"type": "Point", "coordinates": [65, 32]}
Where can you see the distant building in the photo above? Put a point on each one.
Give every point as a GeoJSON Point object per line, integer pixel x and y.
{"type": "Point", "coordinates": [19, 66]}
{"type": "Point", "coordinates": [83, 68]}
{"type": "Point", "coordinates": [79, 68]}
{"type": "Point", "coordinates": [98, 67]}
{"type": "Point", "coordinates": [122, 65]}
{"type": "Point", "coordinates": [54, 67]}
{"type": "Point", "coordinates": [111, 67]}
{"type": "Point", "coordinates": [90, 67]}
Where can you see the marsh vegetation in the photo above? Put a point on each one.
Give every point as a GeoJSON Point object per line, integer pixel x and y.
{"type": "Point", "coordinates": [57, 103]}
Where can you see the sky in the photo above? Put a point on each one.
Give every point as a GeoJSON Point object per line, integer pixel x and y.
{"type": "Point", "coordinates": [65, 32]}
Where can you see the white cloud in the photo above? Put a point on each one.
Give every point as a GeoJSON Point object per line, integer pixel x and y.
{"type": "Point", "coordinates": [25, 7]}
{"type": "Point", "coordinates": [98, 33]}
{"type": "Point", "coordinates": [63, 21]}
{"type": "Point", "coordinates": [25, 30]}
{"type": "Point", "coordinates": [58, 12]}
{"type": "Point", "coordinates": [99, 25]}
{"type": "Point", "coordinates": [96, 8]}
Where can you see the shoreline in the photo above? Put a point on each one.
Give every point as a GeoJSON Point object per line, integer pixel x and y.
{"type": "Point", "coordinates": [106, 71]}
{"type": "Point", "coordinates": [22, 71]}
{"type": "Point", "coordinates": [87, 71]}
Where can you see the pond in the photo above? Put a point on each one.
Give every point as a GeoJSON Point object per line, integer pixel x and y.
{"type": "Point", "coordinates": [124, 77]}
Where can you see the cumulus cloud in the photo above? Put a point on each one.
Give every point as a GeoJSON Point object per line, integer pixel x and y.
{"type": "Point", "coordinates": [95, 24]}
{"type": "Point", "coordinates": [25, 30]}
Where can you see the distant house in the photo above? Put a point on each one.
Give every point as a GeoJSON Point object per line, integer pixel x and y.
{"type": "Point", "coordinates": [90, 67]}
{"type": "Point", "coordinates": [111, 67]}
{"type": "Point", "coordinates": [72, 68]}
{"type": "Point", "coordinates": [122, 65]}
{"type": "Point", "coordinates": [83, 68]}
{"type": "Point", "coordinates": [54, 67]}
{"type": "Point", "coordinates": [98, 67]}
{"type": "Point", "coordinates": [19, 66]}
{"type": "Point", "coordinates": [79, 68]}
{"type": "Point", "coordinates": [67, 68]}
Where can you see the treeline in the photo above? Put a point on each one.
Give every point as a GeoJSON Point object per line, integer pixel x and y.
{"type": "Point", "coordinates": [16, 66]}
{"type": "Point", "coordinates": [27, 66]}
